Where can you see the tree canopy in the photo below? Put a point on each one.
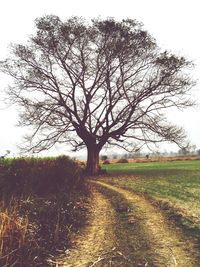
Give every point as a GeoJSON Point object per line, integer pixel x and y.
{"type": "Point", "coordinates": [89, 84]}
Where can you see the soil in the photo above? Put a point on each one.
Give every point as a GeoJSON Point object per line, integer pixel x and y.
{"type": "Point", "coordinates": [126, 230]}
{"type": "Point", "coordinates": [94, 243]}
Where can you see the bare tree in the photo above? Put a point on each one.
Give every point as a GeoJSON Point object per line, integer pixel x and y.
{"type": "Point", "coordinates": [97, 83]}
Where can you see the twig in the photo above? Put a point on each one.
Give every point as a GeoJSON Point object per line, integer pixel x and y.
{"type": "Point", "coordinates": [5, 256]}
{"type": "Point", "coordinates": [174, 259]}
{"type": "Point", "coordinates": [123, 256]}
{"type": "Point", "coordinates": [99, 259]}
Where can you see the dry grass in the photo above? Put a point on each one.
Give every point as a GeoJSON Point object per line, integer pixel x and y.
{"type": "Point", "coordinates": [13, 231]}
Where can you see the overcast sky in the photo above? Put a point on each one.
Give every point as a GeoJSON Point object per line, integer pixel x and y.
{"type": "Point", "coordinates": [174, 23]}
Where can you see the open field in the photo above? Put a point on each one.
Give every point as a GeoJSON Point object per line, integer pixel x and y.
{"type": "Point", "coordinates": [176, 183]}
{"type": "Point", "coordinates": [151, 215]}
{"type": "Point", "coordinates": [137, 214]}
{"type": "Point", "coordinates": [161, 158]}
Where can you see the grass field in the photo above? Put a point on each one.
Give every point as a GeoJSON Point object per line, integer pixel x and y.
{"type": "Point", "coordinates": [175, 183]}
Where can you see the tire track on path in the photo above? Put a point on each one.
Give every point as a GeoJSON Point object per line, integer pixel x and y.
{"type": "Point", "coordinates": [167, 245]}
{"type": "Point", "coordinates": [96, 240]}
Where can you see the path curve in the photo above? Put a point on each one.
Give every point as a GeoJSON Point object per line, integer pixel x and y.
{"type": "Point", "coordinates": [169, 248]}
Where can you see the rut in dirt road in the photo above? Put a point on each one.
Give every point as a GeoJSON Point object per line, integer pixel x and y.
{"type": "Point", "coordinates": [97, 240]}
{"type": "Point", "coordinates": [107, 240]}
{"type": "Point", "coordinates": [167, 245]}
{"type": "Point", "coordinates": [125, 230]}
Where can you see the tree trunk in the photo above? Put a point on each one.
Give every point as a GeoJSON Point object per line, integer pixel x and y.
{"type": "Point", "coordinates": [93, 166]}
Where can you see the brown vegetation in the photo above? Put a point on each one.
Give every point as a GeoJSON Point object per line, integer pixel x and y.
{"type": "Point", "coordinates": [42, 202]}
{"type": "Point", "coordinates": [156, 159]}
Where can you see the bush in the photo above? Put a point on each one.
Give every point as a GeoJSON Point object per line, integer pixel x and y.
{"type": "Point", "coordinates": [34, 176]}
{"type": "Point", "coordinates": [106, 161]}
{"type": "Point", "coordinates": [104, 157]}
{"type": "Point", "coordinates": [122, 161]}
{"type": "Point", "coordinates": [42, 202]}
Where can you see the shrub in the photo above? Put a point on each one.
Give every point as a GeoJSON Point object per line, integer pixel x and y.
{"type": "Point", "coordinates": [34, 176]}
{"type": "Point", "coordinates": [42, 202]}
{"type": "Point", "coordinates": [104, 157]}
{"type": "Point", "coordinates": [122, 161]}
{"type": "Point", "coordinates": [106, 161]}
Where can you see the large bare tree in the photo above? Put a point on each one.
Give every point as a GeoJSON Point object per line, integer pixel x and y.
{"type": "Point", "coordinates": [97, 83]}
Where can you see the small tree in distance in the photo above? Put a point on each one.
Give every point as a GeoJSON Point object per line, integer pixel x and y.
{"type": "Point", "coordinates": [104, 157]}
{"type": "Point", "coordinates": [94, 84]}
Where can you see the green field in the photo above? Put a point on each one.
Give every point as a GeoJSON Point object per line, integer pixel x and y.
{"type": "Point", "coordinates": [176, 183]}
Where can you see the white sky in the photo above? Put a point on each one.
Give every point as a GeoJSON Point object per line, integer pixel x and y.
{"type": "Point", "coordinates": [174, 23]}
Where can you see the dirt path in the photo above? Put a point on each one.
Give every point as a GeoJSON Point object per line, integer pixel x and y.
{"type": "Point", "coordinates": [97, 240]}
{"type": "Point", "coordinates": [126, 230]}
{"type": "Point", "coordinates": [166, 243]}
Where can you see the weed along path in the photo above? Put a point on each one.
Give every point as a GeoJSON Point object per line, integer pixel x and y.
{"type": "Point", "coordinates": [166, 245]}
